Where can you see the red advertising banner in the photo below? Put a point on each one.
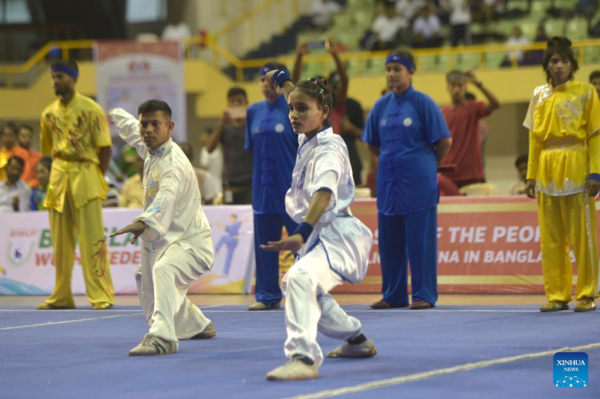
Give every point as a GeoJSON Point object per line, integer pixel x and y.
{"type": "Point", "coordinates": [486, 245]}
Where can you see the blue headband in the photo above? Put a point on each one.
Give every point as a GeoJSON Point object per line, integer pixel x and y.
{"type": "Point", "coordinates": [65, 69]}
{"type": "Point", "coordinates": [400, 60]}
{"type": "Point", "coordinates": [266, 69]}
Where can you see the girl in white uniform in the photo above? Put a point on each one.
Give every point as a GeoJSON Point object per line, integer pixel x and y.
{"type": "Point", "coordinates": [331, 245]}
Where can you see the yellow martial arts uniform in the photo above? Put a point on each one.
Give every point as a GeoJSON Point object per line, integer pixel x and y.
{"type": "Point", "coordinates": [564, 150]}
{"type": "Point", "coordinates": [73, 135]}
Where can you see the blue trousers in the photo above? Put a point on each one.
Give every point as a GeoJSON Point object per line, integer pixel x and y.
{"type": "Point", "coordinates": [268, 227]}
{"type": "Point", "coordinates": [405, 238]}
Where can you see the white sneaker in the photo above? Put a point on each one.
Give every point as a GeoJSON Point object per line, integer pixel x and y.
{"type": "Point", "coordinates": [209, 332]}
{"type": "Point", "coordinates": [294, 370]}
{"type": "Point", "coordinates": [366, 349]}
{"type": "Point", "coordinates": [153, 346]}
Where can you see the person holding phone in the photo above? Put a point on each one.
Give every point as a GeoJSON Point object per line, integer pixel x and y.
{"type": "Point", "coordinates": [269, 135]}
{"type": "Point", "coordinates": [237, 162]}
{"type": "Point", "coordinates": [347, 117]}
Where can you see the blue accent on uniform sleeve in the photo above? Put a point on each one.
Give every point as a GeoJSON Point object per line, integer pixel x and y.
{"type": "Point", "coordinates": [434, 124]}
{"type": "Point", "coordinates": [594, 176]}
{"type": "Point", "coordinates": [248, 143]}
{"type": "Point", "coordinates": [32, 203]}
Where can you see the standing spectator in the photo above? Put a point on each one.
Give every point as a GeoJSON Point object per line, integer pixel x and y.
{"type": "Point", "coordinates": [563, 171]}
{"type": "Point", "coordinates": [237, 162]}
{"type": "Point", "coordinates": [463, 118]}
{"type": "Point", "coordinates": [322, 12]}
{"type": "Point", "coordinates": [388, 28]}
{"type": "Point", "coordinates": [212, 163]}
{"type": "Point", "coordinates": [482, 129]}
{"type": "Point", "coordinates": [519, 187]}
{"type": "Point", "coordinates": [77, 189]}
{"type": "Point", "coordinates": [14, 193]}
{"type": "Point", "coordinates": [427, 30]}
{"type": "Point", "coordinates": [42, 174]}
{"type": "Point", "coordinates": [595, 80]}
{"type": "Point", "coordinates": [32, 157]}
{"type": "Point", "coordinates": [460, 21]}
{"type": "Point", "coordinates": [132, 195]}
{"type": "Point", "coordinates": [8, 135]}
{"type": "Point", "coordinates": [407, 131]}
{"type": "Point", "coordinates": [270, 136]}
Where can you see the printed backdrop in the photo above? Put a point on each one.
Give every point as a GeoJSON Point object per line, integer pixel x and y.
{"type": "Point", "coordinates": [485, 245]}
{"type": "Point", "coordinates": [129, 73]}
{"type": "Point", "coordinates": [27, 264]}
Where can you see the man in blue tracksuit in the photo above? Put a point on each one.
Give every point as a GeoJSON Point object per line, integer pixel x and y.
{"type": "Point", "coordinates": [269, 134]}
{"type": "Point", "coordinates": [406, 129]}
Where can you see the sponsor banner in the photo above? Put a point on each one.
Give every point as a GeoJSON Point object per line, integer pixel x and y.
{"type": "Point", "coordinates": [27, 262]}
{"type": "Point", "coordinates": [129, 73]}
{"type": "Point", "coordinates": [485, 245]}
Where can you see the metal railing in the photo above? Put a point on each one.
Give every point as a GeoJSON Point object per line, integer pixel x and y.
{"type": "Point", "coordinates": [221, 54]}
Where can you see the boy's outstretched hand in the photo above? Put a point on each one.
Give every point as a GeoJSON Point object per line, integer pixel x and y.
{"type": "Point", "coordinates": [136, 228]}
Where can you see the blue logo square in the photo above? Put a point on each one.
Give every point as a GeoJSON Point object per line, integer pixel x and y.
{"type": "Point", "coordinates": [571, 370]}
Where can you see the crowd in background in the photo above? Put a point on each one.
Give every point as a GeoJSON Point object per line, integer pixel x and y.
{"type": "Point", "coordinates": [225, 166]}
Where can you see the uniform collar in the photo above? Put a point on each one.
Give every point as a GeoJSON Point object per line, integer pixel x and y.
{"type": "Point", "coordinates": [404, 94]}
{"type": "Point", "coordinates": [319, 138]}
{"type": "Point", "coordinates": [562, 86]}
{"type": "Point", "coordinates": [160, 150]}
{"type": "Point", "coordinates": [278, 103]}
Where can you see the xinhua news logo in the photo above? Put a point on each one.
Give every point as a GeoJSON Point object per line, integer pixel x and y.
{"type": "Point", "coordinates": [571, 370]}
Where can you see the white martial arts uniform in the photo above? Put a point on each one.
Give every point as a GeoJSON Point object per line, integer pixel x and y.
{"type": "Point", "coordinates": [336, 251]}
{"type": "Point", "coordinates": [177, 247]}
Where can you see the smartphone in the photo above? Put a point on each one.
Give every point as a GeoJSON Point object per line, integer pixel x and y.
{"type": "Point", "coordinates": [316, 44]}
{"type": "Point", "coordinates": [237, 112]}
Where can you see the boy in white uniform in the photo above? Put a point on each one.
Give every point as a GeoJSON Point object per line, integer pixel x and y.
{"type": "Point", "coordinates": [332, 246]}
{"type": "Point", "coordinates": [177, 247]}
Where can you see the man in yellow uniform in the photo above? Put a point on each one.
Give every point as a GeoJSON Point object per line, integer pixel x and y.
{"type": "Point", "coordinates": [564, 169]}
{"type": "Point", "coordinates": [74, 131]}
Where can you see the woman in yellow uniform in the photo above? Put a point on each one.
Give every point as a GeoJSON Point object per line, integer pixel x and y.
{"type": "Point", "coordinates": [564, 169]}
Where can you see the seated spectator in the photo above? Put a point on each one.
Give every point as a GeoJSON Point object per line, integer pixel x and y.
{"type": "Point", "coordinates": [208, 184]}
{"type": "Point", "coordinates": [515, 42]}
{"type": "Point", "coordinates": [42, 174]}
{"type": "Point", "coordinates": [535, 57]}
{"type": "Point", "coordinates": [32, 157]}
{"type": "Point", "coordinates": [132, 195]}
{"type": "Point", "coordinates": [112, 196]}
{"type": "Point", "coordinates": [521, 165]}
{"type": "Point", "coordinates": [595, 80]}
{"type": "Point", "coordinates": [387, 28]}
{"type": "Point", "coordinates": [322, 12]}
{"type": "Point", "coordinates": [237, 162]}
{"type": "Point", "coordinates": [409, 9]}
{"type": "Point", "coordinates": [176, 30]}
{"type": "Point", "coordinates": [8, 137]}
{"type": "Point", "coordinates": [15, 195]}
{"type": "Point", "coordinates": [427, 30]}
